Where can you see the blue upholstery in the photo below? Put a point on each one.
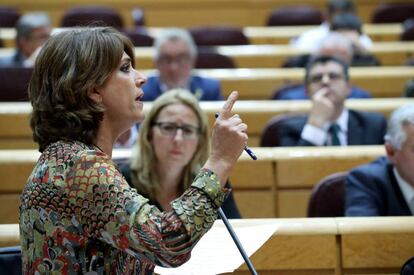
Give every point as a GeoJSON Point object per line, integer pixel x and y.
{"type": "Point", "coordinates": [11, 260]}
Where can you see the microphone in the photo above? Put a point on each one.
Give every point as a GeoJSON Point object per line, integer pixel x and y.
{"type": "Point", "coordinates": [237, 241]}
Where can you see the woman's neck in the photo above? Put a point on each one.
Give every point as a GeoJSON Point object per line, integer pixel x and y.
{"type": "Point", "coordinates": [105, 139]}
{"type": "Point", "coordinates": [170, 181]}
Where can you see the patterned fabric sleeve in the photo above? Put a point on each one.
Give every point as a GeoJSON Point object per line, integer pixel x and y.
{"type": "Point", "coordinates": [115, 213]}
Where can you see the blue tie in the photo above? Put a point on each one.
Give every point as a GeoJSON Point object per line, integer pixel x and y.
{"type": "Point", "coordinates": [334, 131]}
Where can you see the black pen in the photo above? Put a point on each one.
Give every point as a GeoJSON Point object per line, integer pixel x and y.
{"type": "Point", "coordinates": [246, 148]}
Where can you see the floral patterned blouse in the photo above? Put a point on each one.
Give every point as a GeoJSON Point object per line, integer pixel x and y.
{"type": "Point", "coordinates": [79, 215]}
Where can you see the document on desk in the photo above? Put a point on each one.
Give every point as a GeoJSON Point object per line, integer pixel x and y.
{"type": "Point", "coordinates": [216, 252]}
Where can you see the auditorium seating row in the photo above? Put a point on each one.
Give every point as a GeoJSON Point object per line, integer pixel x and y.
{"type": "Point", "coordinates": [278, 184]}
{"type": "Point", "coordinates": [334, 246]}
{"type": "Point", "coordinates": [253, 84]}
{"type": "Point", "coordinates": [189, 13]}
{"type": "Point", "coordinates": [15, 132]}
{"type": "Point", "coordinates": [261, 35]}
{"type": "Point", "coordinates": [273, 56]}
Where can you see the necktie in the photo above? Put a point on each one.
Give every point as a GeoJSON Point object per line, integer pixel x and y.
{"type": "Point", "coordinates": [334, 131]}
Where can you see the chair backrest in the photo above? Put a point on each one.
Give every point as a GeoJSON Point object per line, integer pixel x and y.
{"type": "Point", "coordinates": [218, 35]}
{"type": "Point", "coordinates": [408, 30]}
{"type": "Point", "coordinates": [138, 17]}
{"type": "Point", "coordinates": [271, 131]}
{"type": "Point", "coordinates": [408, 267]}
{"type": "Point", "coordinates": [392, 12]}
{"type": "Point", "coordinates": [95, 15]}
{"type": "Point", "coordinates": [328, 197]}
{"type": "Point", "coordinates": [139, 37]}
{"type": "Point", "coordinates": [11, 260]}
{"type": "Point", "coordinates": [295, 15]}
{"type": "Point", "coordinates": [8, 17]}
{"type": "Point", "coordinates": [208, 58]}
{"type": "Point", "coordinates": [14, 82]}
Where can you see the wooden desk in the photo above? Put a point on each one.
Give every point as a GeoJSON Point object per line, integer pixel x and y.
{"type": "Point", "coordinates": [296, 171]}
{"type": "Point", "coordinates": [15, 132]}
{"type": "Point", "coordinates": [336, 246]}
{"type": "Point", "coordinates": [264, 188]}
{"type": "Point", "coordinates": [263, 35]}
{"type": "Point", "coordinates": [183, 13]}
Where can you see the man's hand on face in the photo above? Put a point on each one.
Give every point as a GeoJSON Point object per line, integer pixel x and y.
{"type": "Point", "coordinates": [322, 110]}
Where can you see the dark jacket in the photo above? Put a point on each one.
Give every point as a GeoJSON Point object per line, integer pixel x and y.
{"type": "Point", "coordinates": [203, 88]}
{"type": "Point", "coordinates": [372, 190]}
{"type": "Point", "coordinates": [364, 128]}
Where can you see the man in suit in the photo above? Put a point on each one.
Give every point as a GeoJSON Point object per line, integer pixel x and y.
{"type": "Point", "coordinates": [175, 55]}
{"type": "Point", "coordinates": [385, 187]}
{"type": "Point", "coordinates": [32, 30]}
{"type": "Point", "coordinates": [334, 44]}
{"type": "Point", "coordinates": [329, 121]}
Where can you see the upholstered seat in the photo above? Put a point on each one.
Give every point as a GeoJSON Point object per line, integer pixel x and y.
{"type": "Point", "coordinates": [270, 134]}
{"type": "Point", "coordinates": [393, 12]}
{"type": "Point", "coordinates": [139, 37]}
{"type": "Point", "coordinates": [220, 35]}
{"type": "Point", "coordinates": [91, 15]}
{"type": "Point", "coordinates": [14, 82]}
{"type": "Point", "coordinates": [408, 30]}
{"type": "Point", "coordinates": [8, 17]}
{"type": "Point", "coordinates": [208, 58]}
{"type": "Point", "coordinates": [10, 260]}
{"type": "Point", "coordinates": [295, 15]}
{"type": "Point", "coordinates": [328, 197]}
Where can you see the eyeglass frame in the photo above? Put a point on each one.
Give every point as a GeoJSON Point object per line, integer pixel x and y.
{"type": "Point", "coordinates": [194, 131]}
{"type": "Point", "coordinates": [333, 76]}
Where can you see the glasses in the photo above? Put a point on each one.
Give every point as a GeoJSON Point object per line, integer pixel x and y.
{"type": "Point", "coordinates": [170, 129]}
{"type": "Point", "coordinates": [317, 78]}
{"type": "Point", "coordinates": [181, 59]}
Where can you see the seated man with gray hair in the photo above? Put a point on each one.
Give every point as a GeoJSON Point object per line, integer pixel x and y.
{"type": "Point", "coordinates": [32, 31]}
{"type": "Point", "coordinates": [385, 187]}
{"type": "Point", "coordinates": [175, 56]}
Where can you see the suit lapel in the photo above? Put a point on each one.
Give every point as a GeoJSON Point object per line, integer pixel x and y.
{"type": "Point", "coordinates": [402, 202]}
{"type": "Point", "coordinates": [355, 130]}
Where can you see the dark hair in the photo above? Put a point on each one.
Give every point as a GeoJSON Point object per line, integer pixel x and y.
{"type": "Point", "coordinates": [69, 66]}
{"type": "Point", "coordinates": [340, 6]}
{"type": "Point", "coordinates": [346, 21]}
{"type": "Point", "coordinates": [322, 59]}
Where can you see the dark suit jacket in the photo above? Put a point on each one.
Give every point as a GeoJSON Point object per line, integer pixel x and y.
{"type": "Point", "coordinates": [364, 128]}
{"type": "Point", "coordinates": [203, 88]}
{"type": "Point", "coordinates": [15, 60]}
{"type": "Point", "coordinates": [229, 205]}
{"type": "Point", "coordinates": [372, 190]}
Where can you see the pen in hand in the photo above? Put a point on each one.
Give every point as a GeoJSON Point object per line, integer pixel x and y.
{"type": "Point", "coordinates": [246, 148]}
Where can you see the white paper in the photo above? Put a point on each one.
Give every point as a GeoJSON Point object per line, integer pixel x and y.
{"type": "Point", "coordinates": [216, 252]}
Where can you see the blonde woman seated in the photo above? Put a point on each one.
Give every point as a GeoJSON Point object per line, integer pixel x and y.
{"type": "Point", "coordinates": [173, 144]}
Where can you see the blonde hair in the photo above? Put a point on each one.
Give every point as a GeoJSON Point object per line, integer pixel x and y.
{"type": "Point", "coordinates": [143, 161]}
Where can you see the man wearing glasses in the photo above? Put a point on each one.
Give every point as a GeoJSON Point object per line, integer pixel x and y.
{"type": "Point", "coordinates": [175, 55]}
{"type": "Point", "coordinates": [32, 31]}
{"type": "Point", "coordinates": [329, 121]}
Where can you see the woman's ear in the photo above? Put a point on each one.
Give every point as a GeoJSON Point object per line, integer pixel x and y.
{"type": "Point", "coordinates": [95, 95]}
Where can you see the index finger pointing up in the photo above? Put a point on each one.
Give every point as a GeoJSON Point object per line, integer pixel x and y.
{"type": "Point", "coordinates": [228, 105]}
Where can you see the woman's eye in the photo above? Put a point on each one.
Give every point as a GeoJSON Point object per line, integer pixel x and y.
{"type": "Point", "coordinates": [126, 67]}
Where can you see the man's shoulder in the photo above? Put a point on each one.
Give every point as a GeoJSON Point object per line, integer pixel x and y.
{"type": "Point", "coordinates": [376, 168]}
{"type": "Point", "coordinates": [365, 116]}
{"type": "Point", "coordinates": [204, 80]}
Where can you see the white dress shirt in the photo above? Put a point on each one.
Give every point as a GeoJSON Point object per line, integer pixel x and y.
{"type": "Point", "coordinates": [321, 137]}
{"type": "Point", "coordinates": [406, 189]}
